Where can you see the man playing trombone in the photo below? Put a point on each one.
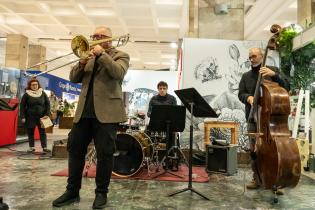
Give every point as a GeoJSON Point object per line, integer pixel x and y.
{"type": "Point", "coordinates": [100, 109]}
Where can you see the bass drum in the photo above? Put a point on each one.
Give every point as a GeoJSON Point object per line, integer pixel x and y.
{"type": "Point", "coordinates": [132, 150]}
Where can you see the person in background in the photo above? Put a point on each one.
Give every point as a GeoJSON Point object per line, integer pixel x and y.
{"type": "Point", "coordinates": [100, 109]}
{"type": "Point", "coordinates": [66, 103]}
{"type": "Point", "coordinates": [54, 103]}
{"type": "Point", "coordinates": [59, 111]}
{"type": "Point", "coordinates": [34, 106]}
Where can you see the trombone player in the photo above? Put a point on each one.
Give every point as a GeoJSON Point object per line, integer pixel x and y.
{"type": "Point", "coordinates": [100, 109]}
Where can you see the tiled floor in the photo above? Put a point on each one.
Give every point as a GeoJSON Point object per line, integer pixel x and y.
{"type": "Point", "coordinates": [26, 184]}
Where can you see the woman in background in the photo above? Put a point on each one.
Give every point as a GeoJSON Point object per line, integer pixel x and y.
{"type": "Point", "coordinates": [35, 105]}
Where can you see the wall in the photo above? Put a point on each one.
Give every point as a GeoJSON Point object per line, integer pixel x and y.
{"type": "Point", "coordinates": [224, 26]}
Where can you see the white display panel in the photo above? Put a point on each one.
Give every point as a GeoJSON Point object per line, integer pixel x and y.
{"type": "Point", "coordinates": [214, 68]}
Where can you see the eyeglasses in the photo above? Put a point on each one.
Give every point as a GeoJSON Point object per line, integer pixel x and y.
{"type": "Point", "coordinates": [98, 36]}
{"type": "Point", "coordinates": [252, 57]}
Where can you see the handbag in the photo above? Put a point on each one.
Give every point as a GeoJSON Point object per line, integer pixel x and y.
{"type": "Point", "coordinates": [45, 122]}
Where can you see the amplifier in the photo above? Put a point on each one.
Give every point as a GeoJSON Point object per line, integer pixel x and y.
{"type": "Point", "coordinates": [221, 159]}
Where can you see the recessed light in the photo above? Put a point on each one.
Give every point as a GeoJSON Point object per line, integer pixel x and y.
{"type": "Point", "coordinates": [173, 45]}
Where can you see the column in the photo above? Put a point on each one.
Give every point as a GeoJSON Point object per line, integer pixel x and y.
{"type": "Point", "coordinates": [37, 54]}
{"type": "Point", "coordinates": [16, 51]}
{"type": "Point", "coordinates": [304, 12]}
{"type": "Point", "coordinates": [193, 18]}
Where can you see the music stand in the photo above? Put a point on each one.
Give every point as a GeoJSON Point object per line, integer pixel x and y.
{"type": "Point", "coordinates": [170, 118]}
{"type": "Point", "coordinates": [197, 107]}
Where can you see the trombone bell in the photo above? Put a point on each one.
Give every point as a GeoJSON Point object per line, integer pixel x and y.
{"type": "Point", "coordinates": [80, 46]}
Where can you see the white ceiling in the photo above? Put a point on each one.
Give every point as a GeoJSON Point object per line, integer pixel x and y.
{"type": "Point", "coordinates": [262, 14]}
{"type": "Point", "coordinates": [152, 25]}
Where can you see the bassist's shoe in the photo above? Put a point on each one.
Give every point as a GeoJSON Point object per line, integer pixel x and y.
{"type": "Point", "coordinates": [252, 185]}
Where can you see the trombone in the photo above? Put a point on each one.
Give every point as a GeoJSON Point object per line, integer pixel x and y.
{"type": "Point", "coordinates": [81, 47]}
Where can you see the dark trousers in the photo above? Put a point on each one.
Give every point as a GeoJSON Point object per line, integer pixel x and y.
{"type": "Point", "coordinates": [80, 136]}
{"type": "Point", "coordinates": [252, 144]}
{"type": "Point", "coordinates": [59, 115]}
{"type": "Point", "coordinates": [42, 136]}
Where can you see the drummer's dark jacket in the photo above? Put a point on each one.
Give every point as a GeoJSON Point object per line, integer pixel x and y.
{"type": "Point", "coordinates": [161, 100]}
{"type": "Point", "coordinates": [248, 82]}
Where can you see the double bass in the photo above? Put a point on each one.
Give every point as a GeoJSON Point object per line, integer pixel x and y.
{"type": "Point", "coordinates": [278, 162]}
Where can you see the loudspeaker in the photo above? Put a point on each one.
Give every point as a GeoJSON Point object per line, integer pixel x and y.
{"type": "Point", "coordinates": [221, 159]}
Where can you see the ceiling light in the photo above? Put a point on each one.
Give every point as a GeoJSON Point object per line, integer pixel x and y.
{"type": "Point", "coordinates": [65, 12]}
{"type": "Point", "coordinates": [173, 68]}
{"type": "Point", "coordinates": [168, 25]}
{"type": "Point", "coordinates": [58, 52]}
{"type": "Point", "coordinates": [15, 21]}
{"type": "Point", "coordinates": [151, 63]}
{"type": "Point", "coordinates": [173, 45]}
{"type": "Point", "coordinates": [170, 56]}
{"type": "Point", "coordinates": [100, 12]}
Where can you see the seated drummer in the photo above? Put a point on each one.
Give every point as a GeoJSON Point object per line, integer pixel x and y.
{"type": "Point", "coordinates": [163, 98]}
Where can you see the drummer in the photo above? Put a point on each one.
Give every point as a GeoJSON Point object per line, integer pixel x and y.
{"type": "Point", "coordinates": [163, 98]}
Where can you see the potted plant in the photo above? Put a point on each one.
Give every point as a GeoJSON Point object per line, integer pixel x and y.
{"type": "Point", "coordinates": [66, 121]}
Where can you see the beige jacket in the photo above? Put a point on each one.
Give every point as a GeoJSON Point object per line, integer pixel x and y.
{"type": "Point", "coordinates": [107, 91]}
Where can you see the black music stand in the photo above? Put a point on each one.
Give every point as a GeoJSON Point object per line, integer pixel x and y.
{"type": "Point", "coordinates": [197, 107]}
{"type": "Point", "coordinates": [169, 118]}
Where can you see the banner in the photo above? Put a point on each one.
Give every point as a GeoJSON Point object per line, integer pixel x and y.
{"type": "Point", "coordinates": [53, 83]}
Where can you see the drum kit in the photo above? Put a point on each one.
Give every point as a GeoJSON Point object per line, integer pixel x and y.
{"type": "Point", "coordinates": [137, 149]}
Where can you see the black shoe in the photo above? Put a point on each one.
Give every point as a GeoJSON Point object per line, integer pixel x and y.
{"type": "Point", "coordinates": [67, 198]}
{"type": "Point", "coordinates": [100, 201]}
{"type": "Point", "coordinates": [45, 150]}
{"type": "Point", "coordinates": [31, 150]}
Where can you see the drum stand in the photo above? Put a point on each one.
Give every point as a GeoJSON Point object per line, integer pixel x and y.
{"type": "Point", "coordinates": [155, 157]}
{"type": "Point", "coordinates": [177, 150]}
{"type": "Point", "coordinates": [166, 157]}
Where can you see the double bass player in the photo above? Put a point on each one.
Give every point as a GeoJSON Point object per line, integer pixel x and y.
{"type": "Point", "coordinates": [246, 95]}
